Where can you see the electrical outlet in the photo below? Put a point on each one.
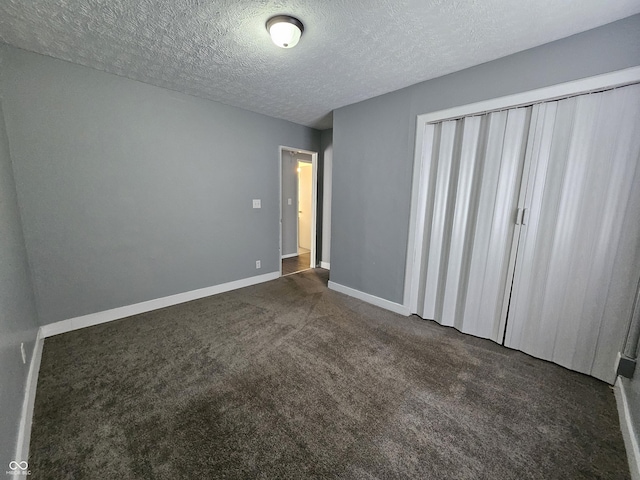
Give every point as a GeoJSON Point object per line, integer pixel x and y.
{"type": "Point", "coordinates": [24, 355]}
{"type": "Point", "coordinates": [258, 264]}
{"type": "Point", "coordinates": [257, 203]}
{"type": "Point", "coordinates": [289, 201]}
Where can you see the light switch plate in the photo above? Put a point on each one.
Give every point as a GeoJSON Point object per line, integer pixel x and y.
{"type": "Point", "coordinates": [257, 203]}
{"type": "Point", "coordinates": [289, 202]}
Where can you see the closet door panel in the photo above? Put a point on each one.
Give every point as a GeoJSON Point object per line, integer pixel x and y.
{"type": "Point", "coordinates": [455, 276]}
{"type": "Point", "coordinates": [590, 268]}
{"type": "Point", "coordinates": [441, 166]}
{"type": "Point", "coordinates": [567, 287]}
{"type": "Point", "coordinates": [621, 227]}
{"type": "Point", "coordinates": [494, 226]}
{"type": "Point", "coordinates": [541, 132]}
{"type": "Point", "coordinates": [488, 187]}
{"type": "Point", "coordinates": [428, 170]}
{"type": "Point", "coordinates": [475, 167]}
{"type": "Point", "coordinates": [569, 242]}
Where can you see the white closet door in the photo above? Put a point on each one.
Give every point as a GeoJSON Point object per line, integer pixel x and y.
{"type": "Point", "coordinates": [472, 181]}
{"type": "Point", "coordinates": [579, 251]}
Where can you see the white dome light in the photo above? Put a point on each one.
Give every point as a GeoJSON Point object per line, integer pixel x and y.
{"type": "Point", "coordinates": [285, 31]}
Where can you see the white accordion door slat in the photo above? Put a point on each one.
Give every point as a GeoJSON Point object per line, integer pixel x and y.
{"type": "Point", "coordinates": [528, 271]}
{"type": "Point", "coordinates": [475, 319]}
{"type": "Point", "coordinates": [437, 234]}
{"type": "Point", "coordinates": [454, 280]}
{"type": "Point", "coordinates": [486, 315]}
{"type": "Point", "coordinates": [429, 156]}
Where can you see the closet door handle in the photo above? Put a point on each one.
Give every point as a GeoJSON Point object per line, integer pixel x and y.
{"type": "Point", "coordinates": [521, 216]}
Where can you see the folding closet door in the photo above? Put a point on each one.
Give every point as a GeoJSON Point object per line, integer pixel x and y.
{"type": "Point", "coordinates": [578, 259]}
{"type": "Point", "coordinates": [473, 170]}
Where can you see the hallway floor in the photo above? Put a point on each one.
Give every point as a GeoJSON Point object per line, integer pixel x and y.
{"type": "Point", "coordinates": [296, 264]}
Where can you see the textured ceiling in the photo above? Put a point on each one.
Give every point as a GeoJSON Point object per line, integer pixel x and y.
{"type": "Point", "coordinates": [351, 50]}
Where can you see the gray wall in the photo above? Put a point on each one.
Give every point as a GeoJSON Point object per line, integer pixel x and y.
{"type": "Point", "coordinates": [374, 142]}
{"type": "Point", "coordinates": [18, 321]}
{"type": "Point", "coordinates": [131, 192]}
{"type": "Point", "coordinates": [632, 389]}
{"type": "Point", "coordinates": [324, 198]}
{"type": "Point", "coordinates": [290, 190]}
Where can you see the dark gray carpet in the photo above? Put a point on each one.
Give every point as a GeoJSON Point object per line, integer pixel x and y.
{"type": "Point", "coordinates": [290, 380]}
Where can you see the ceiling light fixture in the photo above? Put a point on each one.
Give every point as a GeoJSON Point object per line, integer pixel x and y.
{"type": "Point", "coordinates": [285, 31]}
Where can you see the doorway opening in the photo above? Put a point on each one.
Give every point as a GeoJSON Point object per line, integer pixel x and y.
{"type": "Point", "coordinates": [298, 203]}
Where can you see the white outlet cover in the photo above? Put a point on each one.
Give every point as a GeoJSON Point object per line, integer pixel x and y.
{"type": "Point", "coordinates": [258, 264]}
{"type": "Point", "coordinates": [289, 202]}
{"type": "Point", "coordinates": [257, 203]}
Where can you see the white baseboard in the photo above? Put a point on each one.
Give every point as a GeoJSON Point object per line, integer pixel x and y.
{"type": "Point", "coordinates": [325, 265]}
{"type": "Point", "coordinates": [377, 301]}
{"type": "Point", "coordinates": [629, 434]}
{"type": "Point", "coordinates": [26, 417]}
{"type": "Point", "coordinates": [289, 256]}
{"type": "Point", "coordinates": [122, 312]}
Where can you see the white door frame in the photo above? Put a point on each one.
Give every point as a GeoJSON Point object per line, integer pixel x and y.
{"type": "Point", "coordinates": [314, 201]}
{"type": "Point", "coordinates": [418, 189]}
